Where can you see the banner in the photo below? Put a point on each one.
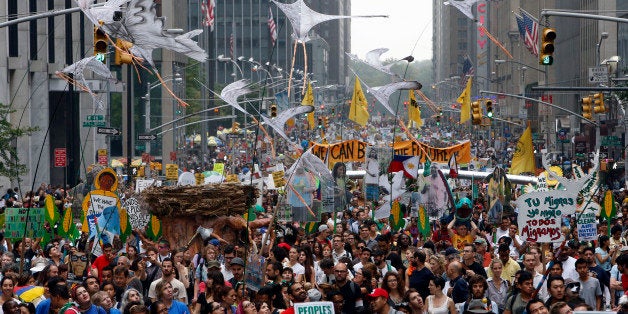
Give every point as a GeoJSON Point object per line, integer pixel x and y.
{"type": "Point", "coordinates": [587, 226]}
{"type": "Point", "coordinates": [439, 155]}
{"type": "Point", "coordinates": [322, 307]}
{"type": "Point", "coordinates": [16, 223]}
{"type": "Point", "coordinates": [540, 215]}
{"type": "Point", "coordinates": [355, 150]}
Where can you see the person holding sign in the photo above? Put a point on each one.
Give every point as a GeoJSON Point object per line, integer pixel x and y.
{"type": "Point", "coordinates": [297, 294]}
{"type": "Point", "coordinates": [461, 235]}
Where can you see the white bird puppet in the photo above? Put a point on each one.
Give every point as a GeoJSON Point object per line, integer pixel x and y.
{"type": "Point", "coordinates": [373, 59]}
{"type": "Point", "coordinates": [233, 91]}
{"type": "Point", "coordinates": [303, 19]}
{"type": "Point", "coordinates": [136, 21]}
{"type": "Point", "coordinates": [382, 93]}
{"type": "Point", "coordinates": [464, 6]}
{"type": "Point", "coordinates": [278, 122]}
{"type": "Point", "coordinates": [77, 70]}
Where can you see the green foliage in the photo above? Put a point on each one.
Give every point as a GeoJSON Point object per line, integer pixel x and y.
{"type": "Point", "coordinates": [193, 94]}
{"type": "Point", "coordinates": [10, 165]}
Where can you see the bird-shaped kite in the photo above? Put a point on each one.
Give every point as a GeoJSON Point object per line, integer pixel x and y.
{"type": "Point", "coordinates": [279, 122]}
{"type": "Point", "coordinates": [303, 19]}
{"type": "Point", "coordinates": [78, 77]}
{"type": "Point", "coordinates": [233, 91]}
{"type": "Point", "coordinates": [382, 93]}
{"type": "Point", "coordinates": [138, 23]}
{"type": "Point", "coordinates": [373, 59]}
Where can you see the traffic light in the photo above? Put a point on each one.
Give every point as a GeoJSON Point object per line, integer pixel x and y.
{"type": "Point", "coordinates": [547, 46]}
{"type": "Point", "coordinates": [489, 109]}
{"type": "Point", "coordinates": [320, 122]}
{"type": "Point", "coordinates": [273, 111]}
{"type": "Point", "coordinates": [123, 56]}
{"type": "Point", "coordinates": [326, 121]}
{"type": "Point", "coordinates": [598, 103]}
{"type": "Point", "coordinates": [586, 108]}
{"type": "Point", "coordinates": [476, 113]}
{"type": "Point", "coordinates": [440, 113]}
{"type": "Point", "coordinates": [100, 44]}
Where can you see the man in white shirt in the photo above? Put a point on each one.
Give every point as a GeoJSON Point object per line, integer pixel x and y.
{"type": "Point", "coordinates": [379, 258]}
{"type": "Point", "coordinates": [339, 249]}
{"type": "Point", "coordinates": [167, 270]}
{"type": "Point", "coordinates": [365, 257]}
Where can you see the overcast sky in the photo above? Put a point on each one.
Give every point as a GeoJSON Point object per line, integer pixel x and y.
{"type": "Point", "coordinates": [409, 23]}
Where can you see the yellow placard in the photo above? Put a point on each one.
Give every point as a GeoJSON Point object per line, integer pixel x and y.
{"type": "Point", "coordinates": [278, 178]}
{"type": "Point", "coordinates": [172, 172]}
{"type": "Point", "coordinates": [220, 168]}
{"type": "Point", "coordinates": [232, 178]}
{"type": "Point", "coordinates": [200, 178]}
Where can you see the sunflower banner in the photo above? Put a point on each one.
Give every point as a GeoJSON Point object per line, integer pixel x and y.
{"type": "Point", "coordinates": [153, 229]}
{"type": "Point", "coordinates": [52, 215]}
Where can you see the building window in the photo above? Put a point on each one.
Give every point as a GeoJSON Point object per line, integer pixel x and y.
{"type": "Point", "coordinates": [12, 10]}
{"type": "Point", "coordinates": [51, 33]}
{"type": "Point", "coordinates": [32, 8]}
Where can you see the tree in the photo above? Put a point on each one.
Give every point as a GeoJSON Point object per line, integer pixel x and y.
{"type": "Point", "coordinates": [10, 165]}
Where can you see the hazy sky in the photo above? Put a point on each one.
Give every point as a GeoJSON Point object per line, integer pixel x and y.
{"type": "Point", "coordinates": [409, 23]}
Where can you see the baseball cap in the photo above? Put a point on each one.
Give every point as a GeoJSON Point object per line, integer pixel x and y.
{"type": "Point", "coordinates": [478, 306]}
{"type": "Point", "coordinates": [378, 292]}
{"type": "Point", "coordinates": [314, 295]}
{"type": "Point", "coordinates": [480, 241]}
{"type": "Point", "coordinates": [237, 261]}
{"type": "Point", "coordinates": [451, 251]}
{"type": "Point", "coordinates": [322, 228]}
{"type": "Point", "coordinates": [213, 264]}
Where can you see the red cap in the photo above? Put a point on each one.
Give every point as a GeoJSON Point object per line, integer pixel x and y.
{"type": "Point", "coordinates": [379, 292]}
{"type": "Point", "coordinates": [284, 245]}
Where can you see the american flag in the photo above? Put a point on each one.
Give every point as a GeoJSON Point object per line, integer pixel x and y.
{"type": "Point", "coordinates": [529, 31]}
{"type": "Point", "coordinates": [272, 27]}
{"type": "Point", "coordinates": [467, 70]}
{"type": "Point", "coordinates": [207, 9]}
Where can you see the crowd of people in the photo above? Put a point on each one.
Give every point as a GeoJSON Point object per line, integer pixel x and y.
{"type": "Point", "coordinates": [357, 263]}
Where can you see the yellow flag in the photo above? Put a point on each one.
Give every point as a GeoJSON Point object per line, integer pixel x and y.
{"type": "Point", "coordinates": [414, 113]}
{"type": "Point", "coordinates": [465, 100]}
{"type": "Point", "coordinates": [308, 100]}
{"type": "Point", "coordinates": [358, 112]}
{"type": "Point", "coordinates": [523, 159]}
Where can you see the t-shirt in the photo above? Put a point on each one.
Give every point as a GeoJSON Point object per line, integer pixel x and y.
{"type": "Point", "coordinates": [459, 241]}
{"type": "Point", "coordinates": [178, 308]}
{"type": "Point", "coordinates": [589, 289]}
{"type": "Point", "coordinates": [516, 307]}
{"type": "Point", "coordinates": [178, 290]}
{"type": "Point", "coordinates": [99, 263]}
{"type": "Point", "coordinates": [418, 280]}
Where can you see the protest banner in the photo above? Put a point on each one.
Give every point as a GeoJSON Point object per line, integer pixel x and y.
{"type": "Point", "coordinates": [172, 171]}
{"type": "Point", "coordinates": [587, 226]}
{"type": "Point", "coordinates": [314, 308]}
{"type": "Point", "coordinates": [254, 274]}
{"type": "Point", "coordinates": [540, 215]}
{"type": "Point", "coordinates": [16, 223]}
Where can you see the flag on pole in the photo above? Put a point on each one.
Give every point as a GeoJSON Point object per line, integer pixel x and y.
{"type": "Point", "coordinates": [272, 28]}
{"type": "Point", "coordinates": [465, 100]}
{"type": "Point", "coordinates": [207, 10]}
{"type": "Point", "coordinates": [408, 164]}
{"type": "Point", "coordinates": [359, 106]}
{"type": "Point", "coordinates": [414, 113]}
{"type": "Point", "coordinates": [523, 159]}
{"type": "Point", "coordinates": [529, 31]}
{"type": "Point", "coordinates": [467, 70]}
{"type": "Point", "coordinates": [308, 100]}
{"type": "Point", "coordinates": [453, 166]}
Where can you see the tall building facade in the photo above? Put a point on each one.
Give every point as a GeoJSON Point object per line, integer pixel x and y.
{"type": "Point", "coordinates": [579, 46]}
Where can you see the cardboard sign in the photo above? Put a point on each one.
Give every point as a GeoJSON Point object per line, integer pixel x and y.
{"type": "Point", "coordinates": [254, 278]}
{"type": "Point", "coordinates": [279, 178]}
{"type": "Point", "coordinates": [587, 227]}
{"type": "Point", "coordinates": [16, 223]}
{"type": "Point", "coordinates": [141, 184]}
{"type": "Point", "coordinates": [540, 215]}
{"type": "Point", "coordinates": [323, 307]}
{"type": "Point", "coordinates": [172, 172]}
{"type": "Point", "coordinates": [220, 168]}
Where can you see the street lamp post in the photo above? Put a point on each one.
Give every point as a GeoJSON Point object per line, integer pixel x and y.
{"type": "Point", "coordinates": [150, 86]}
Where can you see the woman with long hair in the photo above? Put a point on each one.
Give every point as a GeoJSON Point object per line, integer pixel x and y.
{"type": "Point", "coordinates": [437, 265]}
{"type": "Point", "coordinates": [165, 293]}
{"type": "Point", "coordinates": [497, 286]}
{"type": "Point", "coordinates": [6, 285]}
{"type": "Point", "coordinates": [363, 278]}
{"type": "Point", "coordinates": [102, 299]}
{"type": "Point", "coordinates": [131, 295]}
{"type": "Point", "coordinates": [437, 302]}
{"type": "Point", "coordinates": [227, 298]}
{"type": "Point", "coordinates": [327, 251]}
{"type": "Point", "coordinates": [604, 254]}
{"type": "Point", "coordinates": [208, 291]}
{"type": "Point", "coordinates": [393, 284]}
{"type": "Point", "coordinates": [293, 263]}
{"type": "Point", "coordinates": [317, 251]}
{"type": "Point", "coordinates": [305, 259]}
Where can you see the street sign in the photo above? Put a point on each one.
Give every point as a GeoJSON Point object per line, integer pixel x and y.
{"type": "Point", "coordinates": [61, 157]}
{"type": "Point", "coordinates": [108, 131]}
{"type": "Point", "coordinates": [146, 137]}
{"type": "Point", "coordinates": [93, 124]}
{"type": "Point", "coordinates": [598, 75]}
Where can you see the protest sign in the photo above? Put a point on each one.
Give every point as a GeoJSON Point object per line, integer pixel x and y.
{"type": "Point", "coordinates": [16, 223]}
{"type": "Point", "coordinates": [254, 276]}
{"type": "Point", "coordinates": [587, 226]}
{"type": "Point", "coordinates": [540, 215]}
{"type": "Point", "coordinates": [314, 308]}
